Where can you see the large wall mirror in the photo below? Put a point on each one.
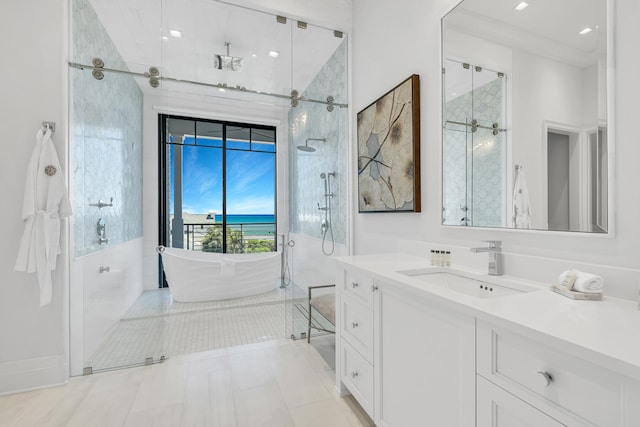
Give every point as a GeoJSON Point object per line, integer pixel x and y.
{"type": "Point", "coordinates": [524, 117]}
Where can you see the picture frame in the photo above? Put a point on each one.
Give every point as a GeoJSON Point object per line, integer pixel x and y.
{"type": "Point", "coordinates": [388, 132]}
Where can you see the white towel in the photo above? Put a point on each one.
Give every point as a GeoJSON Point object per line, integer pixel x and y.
{"type": "Point", "coordinates": [585, 282]}
{"type": "Point", "coordinates": [227, 268]}
{"type": "Point", "coordinates": [521, 210]}
{"type": "Point", "coordinates": [45, 202]}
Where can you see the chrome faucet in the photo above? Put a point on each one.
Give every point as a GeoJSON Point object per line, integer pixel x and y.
{"type": "Point", "coordinates": [101, 229]}
{"type": "Point", "coordinates": [494, 249]}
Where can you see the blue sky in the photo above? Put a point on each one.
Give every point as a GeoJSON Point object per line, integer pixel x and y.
{"type": "Point", "coordinates": [250, 181]}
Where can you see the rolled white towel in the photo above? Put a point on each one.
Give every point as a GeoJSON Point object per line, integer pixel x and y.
{"type": "Point", "coordinates": [585, 282]}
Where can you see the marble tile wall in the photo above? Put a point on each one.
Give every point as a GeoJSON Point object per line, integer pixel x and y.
{"type": "Point", "coordinates": [310, 120]}
{"type": "Point", "coordinates": [106, 139]}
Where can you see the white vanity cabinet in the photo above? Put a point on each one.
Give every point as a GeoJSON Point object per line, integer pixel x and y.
{"type": "Point", "coordinates": [355, 335]}
{"type": "Point", "coordinates": [416, 356]}
{"type": "Point", "coordinates": [408, 361]}
{"type": "Point", "coordinates": [425, 364]}
{"type": "Point", "coordinates": [518, 376]}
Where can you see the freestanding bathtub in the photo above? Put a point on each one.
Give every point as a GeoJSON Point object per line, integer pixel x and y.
{"type": "Point", "coordinates": [206, 276]}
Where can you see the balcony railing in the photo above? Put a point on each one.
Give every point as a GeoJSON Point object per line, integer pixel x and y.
{"type": "Point", "coordinates": [241, 237]}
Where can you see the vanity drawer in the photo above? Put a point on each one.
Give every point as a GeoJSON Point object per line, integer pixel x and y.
{"type": "Point", "coordinates": [533, 370]}
{"type": "Point", "coordinates": [357, 375]}
{"type": "Point", "coordinates": [498, 408]}
{"type": "Point", "coordinates": [358, 286]}
{"type": "Point", "coordinates": [357, 326]}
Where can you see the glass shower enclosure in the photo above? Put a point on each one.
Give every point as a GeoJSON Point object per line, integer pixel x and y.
{"type": "Point", "coordinates": [474, 146]}
{"type": "Point", "coordinates": [267, 71]}
{"type": "Point", "coordinates": [317, 167]}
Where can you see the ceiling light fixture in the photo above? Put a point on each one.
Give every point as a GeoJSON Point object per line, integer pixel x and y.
{"type": "Point", "coordinates": [227, 62]}
{"type": "Point", "coordinates": [274, 53]}
{"type": "Point", "coordinates": [175, 33]}
{"type": "Point", "coordinates": [585, 30]}
{"type": "Point", "coordinates": [521, 6]}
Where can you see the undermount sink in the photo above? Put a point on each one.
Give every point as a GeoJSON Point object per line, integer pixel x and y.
{"type": "Point", "coordinates": [472, 286]}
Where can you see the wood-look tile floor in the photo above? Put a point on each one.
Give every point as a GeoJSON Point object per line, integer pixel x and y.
{"type": "Point", "coordinates": [276, 383]}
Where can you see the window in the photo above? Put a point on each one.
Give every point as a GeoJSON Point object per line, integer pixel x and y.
{"type": "Point", "coordinates": [217, 185]}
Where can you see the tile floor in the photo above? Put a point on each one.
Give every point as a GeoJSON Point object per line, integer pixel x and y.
{"type": "Point", "coordinates": [156, 326]}
{"type": "Point", "coordinates": [277, 383]}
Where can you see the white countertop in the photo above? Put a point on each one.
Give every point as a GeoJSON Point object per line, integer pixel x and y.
{"type": "Point", "coordinates": [605, 332]}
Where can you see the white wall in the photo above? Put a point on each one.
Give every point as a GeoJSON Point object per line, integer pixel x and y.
{"type": "Point", "coordinates": [33, 349]}
{"type": "Point", "coordinates": [543, 90]}
{"type": "Point", "coordinates": [407, 32]}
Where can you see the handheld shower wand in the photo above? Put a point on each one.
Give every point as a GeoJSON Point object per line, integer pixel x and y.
{"type": "Point", "coordinates": [326, 225]}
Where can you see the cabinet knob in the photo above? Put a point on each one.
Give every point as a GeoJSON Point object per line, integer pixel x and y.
{"type": "Point", "coordinates": [354, 285]}
{"type": "Point", "coordinates": [354, 374]}
{"type": "Point", "coordinates": [374, 288]}
{"type": "Point", "coordinates": [354, 324]}
{"type": "Point", "coordinates": [547, 376]}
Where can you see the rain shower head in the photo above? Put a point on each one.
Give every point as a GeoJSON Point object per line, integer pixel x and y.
{"type": "Point", "coordinates": [306, 147]}
{"type": "Point", "coordinates": [227, 62]}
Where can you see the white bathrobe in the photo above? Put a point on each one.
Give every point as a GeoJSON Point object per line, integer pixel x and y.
{"type": "Point", "coordinates": [45, 202]}
{"type": "Point", "coordinates": [521, 206]}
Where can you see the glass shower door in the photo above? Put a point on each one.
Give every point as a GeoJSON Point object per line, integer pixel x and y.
{"type": "Point", "coordinates": [474, 146]}
{"type": "Point", "coordinates": [318, 147]}
{"type": "Point", "coordinates": [106, 117]}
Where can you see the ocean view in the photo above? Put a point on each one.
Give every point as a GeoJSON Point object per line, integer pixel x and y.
{"type": "Point", "coordinates": [252, 219]}
{"type": "Point", "coordinates": [252, 225]}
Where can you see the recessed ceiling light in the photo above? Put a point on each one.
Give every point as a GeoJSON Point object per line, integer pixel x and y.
{"type": "Point", "coordinates": [274, 53]}
{"type": "Point", "coordinates": [521, 6]}
{"type": "Point", "coordinates": [585, 30]}
{"type": "Point", "coordinates": [175, 33]}
{"type": "Point", "coordinates": [165, 37]}
{"type": "Point", "coordinates": [221, 89]}
{"type": "Point", "coordinates": [253, 55]}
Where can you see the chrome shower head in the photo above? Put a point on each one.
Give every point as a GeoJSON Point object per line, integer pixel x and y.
{"type": "Point", "coordinates": [323, 175]}
{"type": "Point", "coordinates": [306, 148]}
{"type": "Point", "coordinates": [227, 62]}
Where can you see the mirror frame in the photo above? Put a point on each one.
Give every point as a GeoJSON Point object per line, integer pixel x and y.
{"type": "Point", "coordinates": [611, 137]}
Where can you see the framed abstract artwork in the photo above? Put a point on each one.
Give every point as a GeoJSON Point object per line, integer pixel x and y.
{"type": "Point", "coordinates": [389, 151]}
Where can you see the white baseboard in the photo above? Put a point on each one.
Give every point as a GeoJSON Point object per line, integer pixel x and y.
{"type": "Point", "coordinates": [29, 374]}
